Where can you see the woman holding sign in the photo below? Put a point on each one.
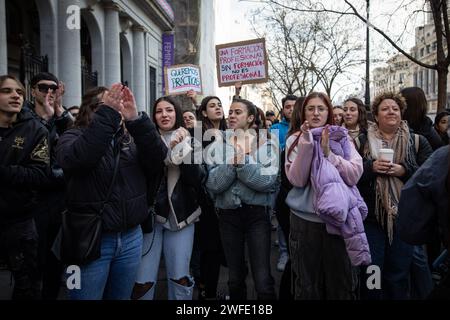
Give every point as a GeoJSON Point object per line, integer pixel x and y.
{"type": "Point", "coordinates": [241, 181]}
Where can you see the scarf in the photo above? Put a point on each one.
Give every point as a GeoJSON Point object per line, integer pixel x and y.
{"type": "Point", "coordinates": [388, 188]}
{"type": "Point", "coordinates": [354, 133]}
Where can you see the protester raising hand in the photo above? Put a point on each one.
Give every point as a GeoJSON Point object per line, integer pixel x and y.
{"type": "Point", "coordinates": [129, 110]}
{"type": "Point", "coordinates": [114, 97]}
{"type": "Point", "coordinates": [49, 101]}
{"type": "Point", "coordinates": [59, 93]}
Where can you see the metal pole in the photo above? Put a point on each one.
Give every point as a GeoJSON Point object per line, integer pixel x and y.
{"type": "Point", "coordinates": [367, 95]}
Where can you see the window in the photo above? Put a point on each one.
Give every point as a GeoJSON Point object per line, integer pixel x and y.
{"type": "Point", "coordinates": [428, 48]}
{"type": "Point", "coordinates": [152, 87]}
{"type": "Point", "coordinates": [419, 83]}
{"type": "Point", "coordinates": [415, 79]}
{"type": "Point", "coordinates": [426, 87]}
{"type": "Point", "coordinates": [421, 52]}
{"type": "Point", "coordinates": [433, 81]}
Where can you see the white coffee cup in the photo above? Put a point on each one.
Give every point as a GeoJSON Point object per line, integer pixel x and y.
{"type": "Point", "coordinates": [386, 154]}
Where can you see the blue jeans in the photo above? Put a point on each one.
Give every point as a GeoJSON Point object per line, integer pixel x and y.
{"type": "Point", "coordinates": [421, 281]}
{"type": "Point", "coordinates": [111, 277]}
{"type": "Point", "coordinates": [177, 249]}
{"type": "Point", "coordinates": [249, 224]}
{"type": "Point", "coordinates": [282, 244]}
{"type": "Point", "coordinates": [394, 261]}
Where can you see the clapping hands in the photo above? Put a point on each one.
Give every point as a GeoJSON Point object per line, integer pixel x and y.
{"type": "Point", "coordinates": [121, 99]}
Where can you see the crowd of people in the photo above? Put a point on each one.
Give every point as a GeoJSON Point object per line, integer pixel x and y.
{"type": "Point", "coordinates": [113, 190]}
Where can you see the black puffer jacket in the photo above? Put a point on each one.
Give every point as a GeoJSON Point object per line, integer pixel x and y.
{"type": "Point", "coordinates": [426, 129]}
{"type": "Point", "coordinates": [24, 167]}
{"type": "Point", "coordinates": [424, 201]}
{"type": "Point", "coordinates": [87, 158]}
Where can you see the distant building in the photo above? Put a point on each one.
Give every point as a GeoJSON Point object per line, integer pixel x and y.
{"type": "Point", "coordinates": [194, 41]}
{"type": "Point", "coordinates": [400, 72]}
{"type": "Point", "coordinates": [86, 43]}
{"type": "Point", "coordinates": [425, 51]}
{"type": "Point", "coordinates": [394, 77]}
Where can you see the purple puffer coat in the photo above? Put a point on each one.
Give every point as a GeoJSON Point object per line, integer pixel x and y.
{"type": "Point", "coordinates": [338, 204]}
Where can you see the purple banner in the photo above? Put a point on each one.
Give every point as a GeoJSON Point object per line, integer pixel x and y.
{"type": "Point", "coordinates": [167, 54]}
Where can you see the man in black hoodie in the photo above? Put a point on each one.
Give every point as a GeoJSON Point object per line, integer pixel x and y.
{"type": "Point", "coordinates": [47, 108]}
{"type": "Point", "coordinates": [24, 166]}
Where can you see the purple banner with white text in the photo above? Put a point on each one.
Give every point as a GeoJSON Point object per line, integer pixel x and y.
{"type": "Point", "coordinates": [167, 54]}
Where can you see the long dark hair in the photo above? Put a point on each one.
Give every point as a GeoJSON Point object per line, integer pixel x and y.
{"type": "Point", "coordinates": [416, 107]}
{"type": "Point", "coordinates": [362, 113]}
{"type": "Point", "coordinates": [438, 118]}
{"type": "Point", "coordinates": [206, 123]}
{"type": "Point", "coordinates": [89, 103]}
{"type": "Point", "coordinates": [296, 123]}
{"type": "Point", "coordinates": [178, 113]}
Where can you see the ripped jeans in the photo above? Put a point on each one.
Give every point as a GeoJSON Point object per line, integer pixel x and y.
{"type": "Point", "coordinates": [177, 249]}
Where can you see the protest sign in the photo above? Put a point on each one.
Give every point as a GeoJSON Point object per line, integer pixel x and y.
{"type": "Point", "coordinates": [181, 78]}
{"type": "Point", "coordinates": [244, 61]}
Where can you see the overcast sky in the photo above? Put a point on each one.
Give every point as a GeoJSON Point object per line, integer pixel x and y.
{"type": "Point", "coordinates": [232, 24]}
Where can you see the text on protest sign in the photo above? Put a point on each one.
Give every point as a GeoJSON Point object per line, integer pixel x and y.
{"type": "Point", "coordinates": [244, 61]}
{"type": "Point", "coordinates": [181, 78]}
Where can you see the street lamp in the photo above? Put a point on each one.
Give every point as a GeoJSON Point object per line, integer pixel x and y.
{"type": "Point", "coordinates": [367, 94]}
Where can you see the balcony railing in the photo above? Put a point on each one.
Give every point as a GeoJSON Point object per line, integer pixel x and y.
{"type": "Point", "coordinates": [30, 65]}
{"type": "Point", "coordinates": [89, 79]}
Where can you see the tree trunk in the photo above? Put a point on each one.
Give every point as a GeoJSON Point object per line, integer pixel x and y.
{"type": "Point", "coordinates": [442, 89]}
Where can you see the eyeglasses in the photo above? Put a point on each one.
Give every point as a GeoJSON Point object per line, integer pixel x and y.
{"type": "Point", "coordinates": [312, 109]}
{"type": "Point", "coordinates": [42, 87]}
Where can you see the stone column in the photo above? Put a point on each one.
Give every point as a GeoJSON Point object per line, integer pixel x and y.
{"type": "Point", "coordinates": [69, 53]}
{"type": "Point", "coordinates": [139, 67]}
{"type": "Point", "coordinates": [3, 39]}
{"type": "Point", "coordinates": [112, 43]}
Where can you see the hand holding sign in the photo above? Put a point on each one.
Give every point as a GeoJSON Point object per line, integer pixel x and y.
{"type": "Point", "coordinates": [244, 62]}
{"type": "Point", "coordinates": [182, 78]}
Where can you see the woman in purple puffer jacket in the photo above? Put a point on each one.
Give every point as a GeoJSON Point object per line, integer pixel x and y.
{"type": "Point", "coordinates": [318, 169]}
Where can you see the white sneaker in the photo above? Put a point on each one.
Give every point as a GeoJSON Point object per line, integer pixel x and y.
{"type": "Point", "coordinates": [282, 260]}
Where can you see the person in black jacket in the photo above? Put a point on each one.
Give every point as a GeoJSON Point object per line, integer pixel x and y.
{"type": "Point", "coordinates": [24, 166]}
{"type": "Point", "coordinates": [47, 92]}
{"type": "Point", "coordinates": [380, 186]}
{"type": "Point", "coordinates": [109, 123]}
{"type": "Point", "coordinates": [416, 115]}
{"type": "Point", "coordinates": [420, 123]}
{"type": "Point", "coordinates": [207, 242]}
{"type": "Point", "coordinates": [176, 209]}
{"type": "Point", "coordinates": [441, 125]}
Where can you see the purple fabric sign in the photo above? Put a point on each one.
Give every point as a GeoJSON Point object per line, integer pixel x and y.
{"type": "Point", "coordinates": [167, 54]}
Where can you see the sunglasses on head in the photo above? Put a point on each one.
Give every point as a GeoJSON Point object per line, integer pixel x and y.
{"type": "Point", "coordinates": [42, 87]}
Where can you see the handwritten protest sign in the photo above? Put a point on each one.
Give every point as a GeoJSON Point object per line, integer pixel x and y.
{"type": "Point", "coordinates": [244, 61]}
{"type": "Point", "coordinates": [181, 78]}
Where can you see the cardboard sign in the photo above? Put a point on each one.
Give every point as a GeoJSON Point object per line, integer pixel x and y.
{"type": "Point", "coordinates": [244, 61]}
{"type": "Point", "coordinates": [181, 78]}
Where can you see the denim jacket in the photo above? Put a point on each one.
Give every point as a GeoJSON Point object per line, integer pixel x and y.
{"type": "Point", "coordinates": [252, 182]}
